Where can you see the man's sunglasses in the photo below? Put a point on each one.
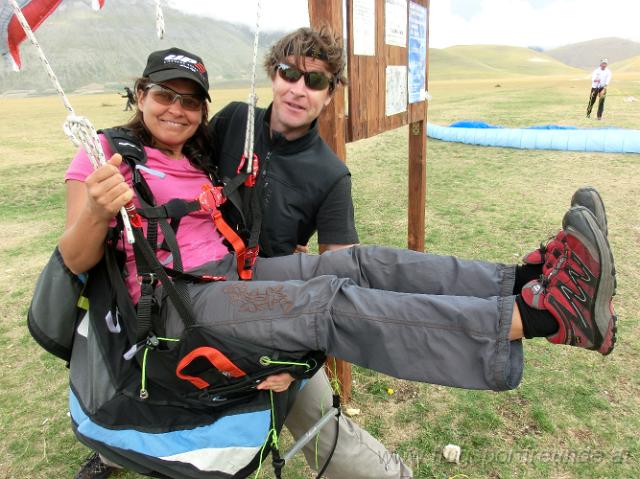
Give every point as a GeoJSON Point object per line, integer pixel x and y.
{"type": "Point", "coordinates": [166, 96]}
{"type": "Point", "coordinates": [313, 80]}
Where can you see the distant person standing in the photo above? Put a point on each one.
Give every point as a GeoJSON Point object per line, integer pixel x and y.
{"type": "Point", "coordinates": [131, 99]}
{"type": "Point", "coordinates": [600, 79]}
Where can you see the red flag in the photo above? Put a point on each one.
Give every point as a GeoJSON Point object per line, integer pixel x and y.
{"type": "Point", "coordinates": [36, 12]}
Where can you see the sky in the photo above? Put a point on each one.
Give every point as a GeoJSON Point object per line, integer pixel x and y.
{"type": "Point", "coordinates": [525, 23]}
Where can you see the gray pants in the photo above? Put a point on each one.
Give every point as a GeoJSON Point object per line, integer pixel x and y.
{"type": "Point", "coordinates": [422, 317]}
{"type": "Point", "coordinates": [358, 454]}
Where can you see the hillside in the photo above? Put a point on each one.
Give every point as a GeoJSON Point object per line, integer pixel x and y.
{"type": "Point", "coordinates": [587, 55]}
{"type": "Point", "coordinates": [630, 65]}
{"type": "Point", "coordinates": [106, 50]}
{"type": "Point", "coordinates": [492, 61]}
{"type": "Point", "coordinates": [92, 50]}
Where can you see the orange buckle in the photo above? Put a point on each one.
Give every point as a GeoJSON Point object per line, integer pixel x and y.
{"type": "Point", "coordinates": [211, 198]}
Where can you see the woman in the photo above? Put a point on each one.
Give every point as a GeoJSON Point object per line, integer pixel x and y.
{"type": "Point", "coordinates": [411, 315]}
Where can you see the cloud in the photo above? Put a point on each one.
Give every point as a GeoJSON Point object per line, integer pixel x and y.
{"type": "Point", "coordinates": [276, 15]}
{"type": "Point", "coordinates": [518, 23]}
{"type": "Point", "coordinates": [524, 23]}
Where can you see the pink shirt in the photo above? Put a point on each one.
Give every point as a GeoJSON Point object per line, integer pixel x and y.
{"type": "Point", "coordinates": [198, 239]}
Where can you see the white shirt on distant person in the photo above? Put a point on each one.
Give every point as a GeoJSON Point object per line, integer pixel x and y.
{"type": "Point", "coordinates": [600, 78]}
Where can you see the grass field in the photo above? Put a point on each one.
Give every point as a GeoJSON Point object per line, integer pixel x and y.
{"type": "Point", "coordinates": [575, 414]}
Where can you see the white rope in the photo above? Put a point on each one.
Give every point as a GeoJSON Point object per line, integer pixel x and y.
{"type": "Point", "coordinates": [159, 21]}
{"type": "Point", "coordinates": [77, 128]}
{"type": "Point", "coordinates": [253, 99]}
{"type": "Point", "coordinates": [45, 62]}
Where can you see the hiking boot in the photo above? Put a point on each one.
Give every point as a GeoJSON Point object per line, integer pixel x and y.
{"type": "Point", "coordinates": [589, 197]}
{"type": "Point", "coordinates": [94, 468]}
{"type": "Point", "coordinates": [578, 290]}
{"type": "Point", "coordinates": [547, 254]}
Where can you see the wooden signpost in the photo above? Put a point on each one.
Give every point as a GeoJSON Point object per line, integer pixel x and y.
{"type": "Point", "coordinates": [387, 49]}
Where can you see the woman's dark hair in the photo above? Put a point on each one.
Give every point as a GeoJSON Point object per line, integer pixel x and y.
{"type": "Point", "coordinates": [197, 149]}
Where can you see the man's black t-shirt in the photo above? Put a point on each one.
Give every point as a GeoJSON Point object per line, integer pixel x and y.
{"type": "Point", "coordinates": [303, 187]}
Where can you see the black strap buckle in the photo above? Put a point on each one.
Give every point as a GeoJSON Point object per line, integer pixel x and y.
{"type": "Point", "coordinates": [150, 279]}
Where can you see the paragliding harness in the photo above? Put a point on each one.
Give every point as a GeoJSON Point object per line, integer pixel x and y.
{"type": "Point", "coordinates": [172, 407]}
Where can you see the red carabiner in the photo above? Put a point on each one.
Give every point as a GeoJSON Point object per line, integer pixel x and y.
{"type": "Point", "coordinates": [246, 261]}
{"type": "Point", "coordinates": [134, 216]}
{"type": "Point", "coordinates": [252, 173]}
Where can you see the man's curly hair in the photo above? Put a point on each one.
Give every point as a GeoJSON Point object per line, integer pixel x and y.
{"type": "Point", "coordinates": [322, 44]}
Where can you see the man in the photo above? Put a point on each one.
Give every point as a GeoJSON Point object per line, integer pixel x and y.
{"type": "Point", "coordinates": [302, 188]}
{"type": "Point", "coordinates": [600, 79]}
{"type": "Point", "coordinates": [131, 99]}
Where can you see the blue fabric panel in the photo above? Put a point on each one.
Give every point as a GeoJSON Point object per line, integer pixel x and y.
{"type": "Point", "coordinates": [546, 137]}
{"type": "Point", "coordinates": [577, 141]}
{"type": "Point", "coordinates": [248, 430]}
{"type": "Point", "coordinates": [552, 127]}
{"type": "Point", "coordinates": [472, 124]}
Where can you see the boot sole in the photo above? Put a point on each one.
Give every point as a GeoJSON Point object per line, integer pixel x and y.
{"type": "Point", "coordinates": [580, 222]}
{"type": "Point", "coordinates": [589, 197]}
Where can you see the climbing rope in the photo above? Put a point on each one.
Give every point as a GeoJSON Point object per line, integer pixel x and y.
{"type": "Point", "coordinates": [253, 99]}
{"type": "Point", "coordinates": [159, 21]}
{"type": "Point", "coordinates": [79, 129]}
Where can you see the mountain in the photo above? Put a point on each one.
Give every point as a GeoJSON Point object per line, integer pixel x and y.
{"type": "Point", "coordinates": [108, 49]}
{"type": "Point", "coordinates": [630, 65]}
{"type": "Point", "coordinates": [492, 61]}
{"type": "Point", "coordinates": [587, 55]}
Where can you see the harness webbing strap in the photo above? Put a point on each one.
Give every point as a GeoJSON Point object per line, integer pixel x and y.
{"type": "Point", "coordinates": [214, 356]}
{"type": "Point", "coordinates": [180, 300]}
{"type": "Point", "coordinates": [174, 209]}
{"type": "Point", "coordinates": [146, 267]}
{"type": "Point", "coordinates": [210, 199]}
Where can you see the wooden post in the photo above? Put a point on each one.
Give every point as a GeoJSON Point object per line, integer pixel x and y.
{"type": "Point", "coordinates": [418, 168]}
{"type": "Point", "coordinates": [367, 116]}
{"type": "Point", "coordinates": [417, 184]}
{"type": "Point", "coordinates": [331, 122]}
{"type": "Point", "coordinates": [332, 130]}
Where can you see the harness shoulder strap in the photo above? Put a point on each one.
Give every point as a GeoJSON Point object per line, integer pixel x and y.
{"type": "Point", "coordinates": [123, 141]}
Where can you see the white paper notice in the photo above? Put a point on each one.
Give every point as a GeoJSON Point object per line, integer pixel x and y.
{"type": "Point", "coordinates": [364, 27]}
{"type": "Point", "coordinates": [396, 90]}
{"type": "Point", "coordinates": [417, 54]}
{"type": "Point", "coordinates": [395, 22]}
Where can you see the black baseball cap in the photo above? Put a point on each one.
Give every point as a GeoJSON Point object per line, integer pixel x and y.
{"type": "Point", "coordinates": [173, 64]}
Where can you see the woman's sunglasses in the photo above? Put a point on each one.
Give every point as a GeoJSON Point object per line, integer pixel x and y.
{"type": "Point", "coordinates": [166, 96]}
{"type": "Point", "coordinates": [313, 80]}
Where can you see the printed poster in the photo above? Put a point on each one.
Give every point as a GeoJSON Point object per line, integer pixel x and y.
{"type": "Point", "coordinates": [417, 54]}
{"type": "Point", "coordinates": [364, 27]}
{"type": "Point", "coordinates": [395, 22]}
{"type": "Point", "coordinates": [396, 90]}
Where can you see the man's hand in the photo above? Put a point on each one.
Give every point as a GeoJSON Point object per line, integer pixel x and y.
{"type": "Point", "coordinates": [301, 248]}
{"type": "Point", "coordinates": [277, 382]}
